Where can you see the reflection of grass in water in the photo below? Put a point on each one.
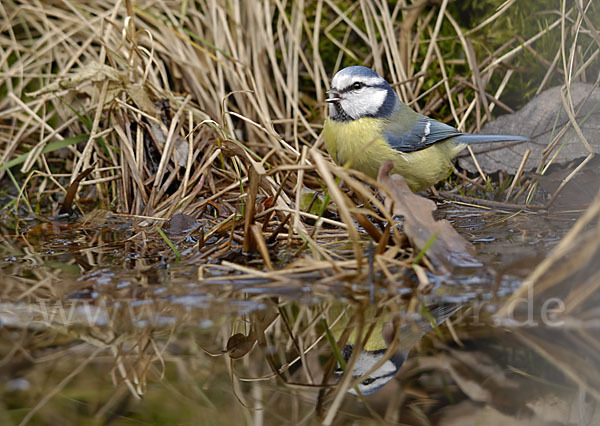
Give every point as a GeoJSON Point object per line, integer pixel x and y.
{"type": "Point", "coordinates": [182, 382]}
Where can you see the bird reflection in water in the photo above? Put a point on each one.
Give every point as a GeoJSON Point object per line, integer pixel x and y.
{"type": "Point", "coordinates": [386, 341]}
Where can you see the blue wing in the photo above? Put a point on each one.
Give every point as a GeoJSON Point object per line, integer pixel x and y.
{"type": "Point", "coordinates": [425, 133]}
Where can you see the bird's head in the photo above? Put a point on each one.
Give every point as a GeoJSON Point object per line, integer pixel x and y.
{"type": "Point", "coordinates": [365, 362]}
{"type": "Point", "coordinates": [358, 92]}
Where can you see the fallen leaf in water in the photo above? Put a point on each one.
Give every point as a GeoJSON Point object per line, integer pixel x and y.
{"type": "Point", "coordinates": [449, 249]}
{"type": "Point", "coordinates": [540, 120]}
{"type": "Point", "coordinates": [239, 345]}
{"type": "Point", "coordinates": [182, 224]}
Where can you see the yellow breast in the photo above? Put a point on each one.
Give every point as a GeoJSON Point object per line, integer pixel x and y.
{"type": "Point", "coordinates": [349, 318]}
{"type": "Point", "coordinates": [359, 144]}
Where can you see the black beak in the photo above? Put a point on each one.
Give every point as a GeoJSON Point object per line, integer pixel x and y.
{"type": "Point", "coordinates": [333, 96]}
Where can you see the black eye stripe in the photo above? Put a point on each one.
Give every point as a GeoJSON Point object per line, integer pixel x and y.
{"type": "Point", "coordinates": [351, 87]}
{"type": "Point", "coordinates": [346, 90]}
{"type": "Point", "coordinates": [354, 86]}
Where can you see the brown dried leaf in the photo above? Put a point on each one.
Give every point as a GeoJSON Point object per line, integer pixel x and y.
{"type": "Point", "coordinates": [182, 224]}
{"type": "Point", "coordinates": [90, 79]}
{"type": "Point", "coordinates": [139, 95]}
{"type": "Point", "coordinates": [94, 73]}
{"type": "Point", "coordinates": [67, 204]}
{"type": "Point", "coordinates": [239, 345]}
{"type": "Point", "coordinates": [450, 249]}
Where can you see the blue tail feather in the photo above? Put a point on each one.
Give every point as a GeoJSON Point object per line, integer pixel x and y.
{"type": "Point", "coordinates": [468, 138]}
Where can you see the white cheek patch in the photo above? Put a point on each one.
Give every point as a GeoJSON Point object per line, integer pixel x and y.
{"type": "Point", "coordinates": [363, 103]}
{"type": "Point", "coordinates": [366, 362]}
{"type": "Point", "coordinates": [380, 377]}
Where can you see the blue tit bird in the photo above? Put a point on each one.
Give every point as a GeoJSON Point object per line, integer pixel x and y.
{"type": "Point", "coordinates": [368, 124]}
{"type": "Point", "coordinates": [373, 362]}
